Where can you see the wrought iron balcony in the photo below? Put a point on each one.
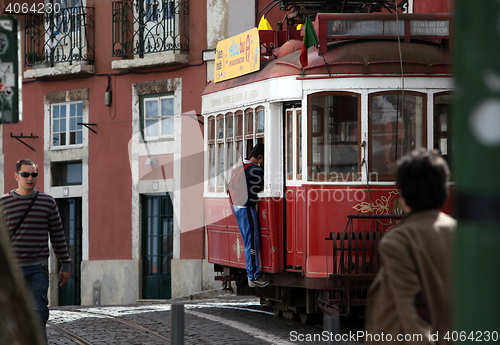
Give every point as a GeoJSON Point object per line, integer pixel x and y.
{"type": "Point", "coordinates": [65, 36]}
{"type": "Point", "coordinates": [143, 27]}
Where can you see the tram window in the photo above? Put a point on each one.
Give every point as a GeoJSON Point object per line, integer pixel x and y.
{"type": "Point", "coordinates": [229, 145]}
{"type": "Point", "coordinates": [211, 152]}
{"type": "Point", "coordinates": [239, 124]}
{"type": "Point", "coordinates": [293, 143]}
{"type": "Point", "coordinates": [211, 166]}
{"type": "Point", "coordinates": [229, 126]}
{"type": "Point", "coordinates": [249, 123]}
{"type": "Point", "coordinates": [396, 126]}
{"type": "Point", "coordinates": [259, 121]}
{"type": "Point", "coordinates": [442, 125]}
{"type": "Point", "coordinates": [220, 127]}
{"type": "Point", "coordinates": [299, 144]}
{"type": "Point", "coordinates": [229, 160]}
{"type": "Point", "coordinates": [239, 150]}
{"type": "Point", "coordinates": [334, 137]}
{"type": "Point", "coordinates": [220, 166]}
{"type": "Point", "coordinates": [250, 145]}
{"type": "Point", "coordinates": [211, 128]}
{"type": "Point", "coordinates": [289, 143]}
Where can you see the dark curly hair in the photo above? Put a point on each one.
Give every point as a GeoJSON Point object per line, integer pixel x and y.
{"type": "Point", "coordinates": [257, 151]}
{"type": "Point", "coordinates": [421, 177]}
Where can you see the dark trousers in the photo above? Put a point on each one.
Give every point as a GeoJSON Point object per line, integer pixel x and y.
{"type": "Point", "coordinates": [37, 279]}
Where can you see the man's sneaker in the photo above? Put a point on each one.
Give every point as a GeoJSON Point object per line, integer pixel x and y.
{"type": "Point", "coordinates": [261, 282]}
{"type": "Point", "coordinates": [251, 283]}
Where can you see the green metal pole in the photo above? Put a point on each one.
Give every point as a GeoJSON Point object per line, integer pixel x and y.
{"type": "Point", "coordinates": [477, 170]}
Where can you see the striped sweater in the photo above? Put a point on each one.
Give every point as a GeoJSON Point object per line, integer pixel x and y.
{"type": "Point", "coordinates": [31, 241]}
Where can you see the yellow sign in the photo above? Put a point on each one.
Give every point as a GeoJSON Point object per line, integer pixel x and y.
{"type": "Point", "coordinates": [237, 55]}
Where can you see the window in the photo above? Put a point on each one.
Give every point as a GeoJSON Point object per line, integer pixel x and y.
{"type": "Point", "coordinates": [66, 130]}
{"type": "Point", "coordinates": [238, 123]}
{"type": "Point", "coordinates": [334, 133]}
{"type": "Point", "coordinates": [151, 10]}
{"type": "Point", "coordinates": [158, 117]}
{"type": "Point", "coordinates": [396, 126]}
{"type": "Point", "coordinates": [231, 136]}
{"type": "Point", "coordinates": [211, 151]}
{"type": "Point", "coordinates": [293, 143]}
{"type": "Point", "coordinates": [229, 145]}
{"type": "Point", "coordinates": [154, 10]}
{"type": "Point", "coordinates": [66, 16]}
{"type": "Point", "coordinates": [67, 173]}
{"type": "Point", "coordinates": [259, 121]}
{"type": "Point", "coordinates": [443, 125]}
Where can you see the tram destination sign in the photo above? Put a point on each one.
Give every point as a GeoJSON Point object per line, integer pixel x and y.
{"type": "Point", "coordinates": [390, 28]}
{"type": "Point", "coordinates": [336, 26]}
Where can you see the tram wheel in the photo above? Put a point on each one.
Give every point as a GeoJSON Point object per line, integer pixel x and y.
{"type": "Point", "coordinates": [277, 311]}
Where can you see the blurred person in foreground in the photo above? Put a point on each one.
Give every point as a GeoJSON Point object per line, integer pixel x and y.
{"type": "Point", "coordinates": [18, 323]}
{"type": "Point", "coordinates": [411, 296]}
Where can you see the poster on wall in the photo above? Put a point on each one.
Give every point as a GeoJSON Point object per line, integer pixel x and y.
{"type": "Point", "coordinates": [237, 55]}
{"type": "Point", "coordinates": [10, 85]}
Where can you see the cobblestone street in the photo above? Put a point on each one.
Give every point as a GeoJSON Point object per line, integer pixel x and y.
{"type": "Point", "coordinates": [227, 319]}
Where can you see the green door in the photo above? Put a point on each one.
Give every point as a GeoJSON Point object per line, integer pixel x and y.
{"type": "Point", "coordinates": [71, 216]}
{"type": "Point", "coordinates": [157, 246]}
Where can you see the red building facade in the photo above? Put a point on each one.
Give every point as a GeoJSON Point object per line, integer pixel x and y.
{"type": "Point", "coordinates": [111, 97]}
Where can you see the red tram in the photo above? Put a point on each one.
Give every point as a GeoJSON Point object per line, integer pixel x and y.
{"type": "Point", "coordinates": [379, 86]}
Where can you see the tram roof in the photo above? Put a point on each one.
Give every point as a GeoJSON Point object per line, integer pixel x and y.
{"type": "Point", "coordinates": [350, 58]}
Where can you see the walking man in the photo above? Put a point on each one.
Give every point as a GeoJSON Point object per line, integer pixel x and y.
{"type": "Point", "coordinates": [245, 211]}
{"type": "Point", "coordinates": [31, 218]}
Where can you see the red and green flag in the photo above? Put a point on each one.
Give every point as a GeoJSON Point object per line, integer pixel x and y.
{"type": "Point", "coordinates": [310, 39]}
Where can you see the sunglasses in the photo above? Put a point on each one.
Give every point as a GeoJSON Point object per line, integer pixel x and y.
{"type": "Point", "coordinates": [27, 174]}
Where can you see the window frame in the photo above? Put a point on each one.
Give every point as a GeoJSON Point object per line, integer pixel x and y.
{"type": "Point", "coordinates": [211, 152]}
{"type": "Point", "coordinates": [243, 130]}
{"type": "Point", "coordinates": [374, 176]}
{"type": "Point", "coordinates": [159, 97]}
{"type": "Point", "coordinates": [443, 134]}
{"type": "Point", "coordinates": [293, 148]}
{"type": "Point", "coordinates": [313, 130]}
{"type": "Point", "coordinates": [67, 131]}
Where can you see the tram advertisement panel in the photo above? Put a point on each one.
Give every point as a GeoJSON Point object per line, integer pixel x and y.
{"type": "Point", "coordinates": [237, 55]}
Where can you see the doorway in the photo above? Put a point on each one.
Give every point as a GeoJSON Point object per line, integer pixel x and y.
{"type": "Point", "coordinates": [70, 210]}
{"type": "Point", "coordinates": [157, 246]}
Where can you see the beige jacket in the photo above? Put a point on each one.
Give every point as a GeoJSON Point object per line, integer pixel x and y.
{"type": "Point", "coordinates": [411, 296]}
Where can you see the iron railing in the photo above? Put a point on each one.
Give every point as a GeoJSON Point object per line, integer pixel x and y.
{"type": "Point", "coordinates": [63, 36]}
{"type": "Point", "coordinates": [143, 27]}
{"type": "Point", "coordinates": [355, 261]}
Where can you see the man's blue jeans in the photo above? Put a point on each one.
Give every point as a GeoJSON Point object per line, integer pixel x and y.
{"type": "Point", "coordinates": [248, 223]}
{"type": "Point", "coordinates": [37, 279]}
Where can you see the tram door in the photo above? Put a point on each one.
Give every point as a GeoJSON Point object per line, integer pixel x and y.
{"type": "Point", "coordinates": [70, 210]}
{"type": "Point", "coordinates": [293, 172]}
{"type": "Point", "coordinates": [157, 246]}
